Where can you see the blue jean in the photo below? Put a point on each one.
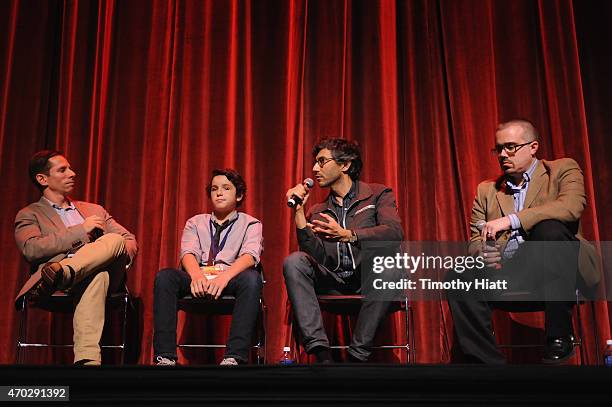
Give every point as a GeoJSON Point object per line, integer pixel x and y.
{"type": "Point", "coordinates": [172, 284]}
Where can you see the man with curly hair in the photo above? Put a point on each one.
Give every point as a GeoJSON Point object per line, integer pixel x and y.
{"type": "Point", "coordinates": [330, 236]}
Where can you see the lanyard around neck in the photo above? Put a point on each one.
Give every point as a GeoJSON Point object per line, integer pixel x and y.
{"type": "Point", "coordinates": [216, 248]}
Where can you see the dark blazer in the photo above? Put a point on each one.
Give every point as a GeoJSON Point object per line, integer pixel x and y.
{"type": "Point", "coordinates": [372, 216]}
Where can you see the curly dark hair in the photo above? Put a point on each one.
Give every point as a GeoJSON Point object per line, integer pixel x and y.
{"type": "Point", "coordinates": [234, 177]}
{"type": "Point", "coordinates": [343, 151]}
{"type": "Point", "coordinates": [39, 164]}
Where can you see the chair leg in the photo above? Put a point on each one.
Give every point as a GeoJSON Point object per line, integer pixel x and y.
{"type": "Point", "coordinates": [259, 333]}
{"type": "Point", "coordinates": [595, 333]}
{"type": "Point", "coordinates": [265, 339]}
{"type": "Point", "coordinates": [124, 329]}
{"type": "Point", "coordinates": [407, 327]}
{"type": "Point", "coordinates": [580, 333]}
{"type": "Point", "coordinates": [412, 334]}
{"type": "Point", "coordinates": [23, 322]}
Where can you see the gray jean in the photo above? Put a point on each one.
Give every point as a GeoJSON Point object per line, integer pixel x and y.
{"type": "Point", "coordinates": [305, 278]}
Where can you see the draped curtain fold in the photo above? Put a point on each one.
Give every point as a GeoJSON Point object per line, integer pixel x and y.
{"type": "Point", "coordinates": [147, 97]}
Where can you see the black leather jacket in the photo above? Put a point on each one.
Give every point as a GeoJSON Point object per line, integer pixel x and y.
{"type": "Point", "coordinates": [372, 216]}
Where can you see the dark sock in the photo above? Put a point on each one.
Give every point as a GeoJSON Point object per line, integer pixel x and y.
{"type": "Point", "coordinates": [68, 277]}
{"type": "Point", "coordinates": [322, 354]}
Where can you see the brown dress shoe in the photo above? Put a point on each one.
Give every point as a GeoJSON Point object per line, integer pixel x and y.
{"type": "Point", "coordinates": [51, 278]}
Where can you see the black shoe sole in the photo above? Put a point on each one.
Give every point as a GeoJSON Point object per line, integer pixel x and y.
{"type": "Point", "coordinates": [561, 360]}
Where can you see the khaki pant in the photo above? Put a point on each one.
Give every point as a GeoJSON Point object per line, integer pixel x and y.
{"type": "Point", "coordinates": [97, 266]}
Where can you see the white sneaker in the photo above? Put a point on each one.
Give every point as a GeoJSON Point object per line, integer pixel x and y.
{"type": "Point", "coordinates": [162, 361]}
{"type": "Point", "coordinates": [229, 362]}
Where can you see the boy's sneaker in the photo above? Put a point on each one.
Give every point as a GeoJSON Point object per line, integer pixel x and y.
{"type": "Point", "coordinates": [162, 361]}
{"type": "Point", "coordinates": [229, 362]}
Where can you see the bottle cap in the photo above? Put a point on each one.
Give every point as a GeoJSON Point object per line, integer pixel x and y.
{"type": "Point", "coordinates": [288, 349]}
{"type": "Point", "coordinates": [609, 342]}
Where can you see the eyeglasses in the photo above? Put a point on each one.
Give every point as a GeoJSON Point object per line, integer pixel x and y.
{"type": "Point", "coordinates": [509, 148]}
{"type": "Point", "coordinates": [322, 161]}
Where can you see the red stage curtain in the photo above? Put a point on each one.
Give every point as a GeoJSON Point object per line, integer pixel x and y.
{"type": "Point", "coordinates": [147, 97]}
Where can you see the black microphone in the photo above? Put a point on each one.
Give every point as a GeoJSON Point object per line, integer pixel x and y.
{"type": "Point", "coordinates": [296, 200]}
{"type": "Point", "coordinates": [95, 234]}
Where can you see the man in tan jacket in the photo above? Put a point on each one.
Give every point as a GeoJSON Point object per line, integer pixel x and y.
{"type": "Point", "coordinates": [74, 246]}
{"type": "Point", "coordinates": [534, 202]}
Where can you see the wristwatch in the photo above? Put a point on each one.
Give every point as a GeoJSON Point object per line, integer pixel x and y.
{"type": "Point", "coordinates": [353, 238]}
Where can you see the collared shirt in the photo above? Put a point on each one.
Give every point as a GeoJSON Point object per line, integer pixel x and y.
{"type": "Point", "coordinates": [216, 230]}
{"type": "Point", "coordinates": [346, 268]}
{"type": "Point", "coordinates": [519, 193]}
{"type": "Point", "coordinates": [70, 216]}
{"type": "Point", "coordinates": [243, 237]}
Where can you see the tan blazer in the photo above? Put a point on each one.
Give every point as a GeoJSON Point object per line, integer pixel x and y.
{"type": "Point", "coordinates": [41, 235]}
{"type": "Point", "coordinates": [556, 191]}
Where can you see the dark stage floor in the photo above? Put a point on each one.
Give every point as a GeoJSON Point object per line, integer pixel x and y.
{"type": "Point", "coordinates": [384, 385]}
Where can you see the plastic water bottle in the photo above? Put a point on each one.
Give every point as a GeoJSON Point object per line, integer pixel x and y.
{"type": "Point", "coordinates": [608, 354]}
{"type": "Point", "coordinates": [286, 359]}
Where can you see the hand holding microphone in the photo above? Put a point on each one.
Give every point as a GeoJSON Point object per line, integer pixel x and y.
{"type": "Point", "coordinates": [298, 195]}
{"type": "Point", "coordinates": [94, 227]}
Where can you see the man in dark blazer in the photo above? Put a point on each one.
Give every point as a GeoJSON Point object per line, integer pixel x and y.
{"type": "Point", "coordinates": [73, 246]}
{"type": "Point", "coordinates": [332, 238]}
{"type": "Point", "coordinates": [533, 201]}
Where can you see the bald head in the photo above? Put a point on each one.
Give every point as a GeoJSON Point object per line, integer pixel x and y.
{"type": "Point", "coordinates": [516, 145]}
{"type": "Point", "coordinates": [523, 127]}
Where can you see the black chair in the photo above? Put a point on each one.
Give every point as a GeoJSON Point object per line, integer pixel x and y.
{"type": "Point", "coordinates": [62, 302]}
{"type": "Point", "coordinates": [350, 305]}
{"type": "Point", "coordinates": [225, 306]}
